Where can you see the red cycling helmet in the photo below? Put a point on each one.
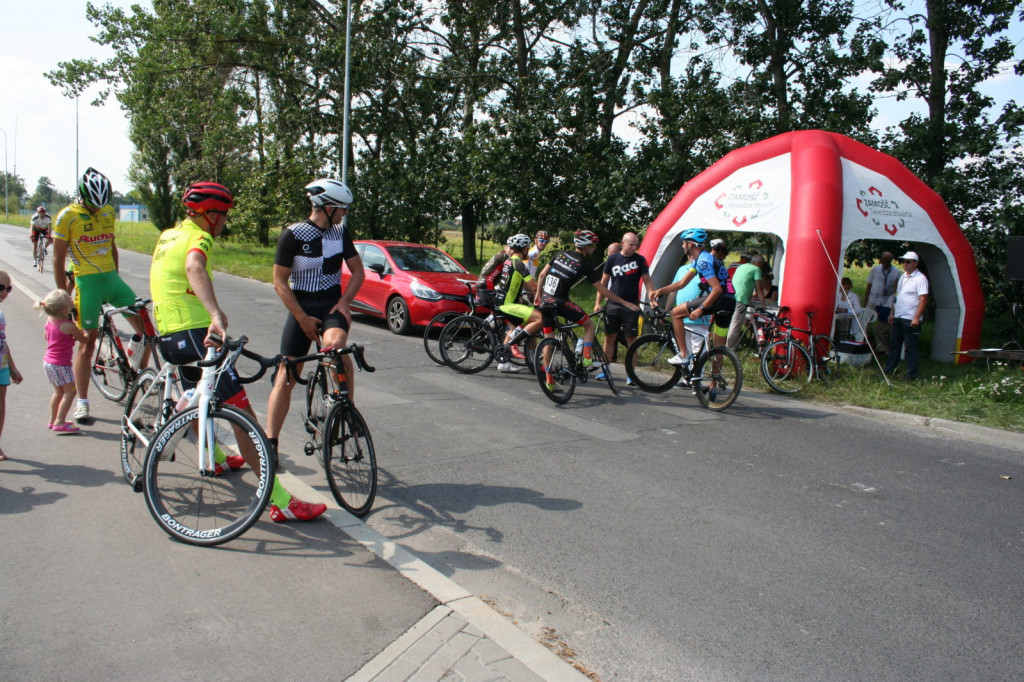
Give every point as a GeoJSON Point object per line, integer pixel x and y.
{"type": "Point", "coordinates": [201, 197]}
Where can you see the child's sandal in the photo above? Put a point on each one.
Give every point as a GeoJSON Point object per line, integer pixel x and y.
{"type": "Point", "coordinates": [67, 427]}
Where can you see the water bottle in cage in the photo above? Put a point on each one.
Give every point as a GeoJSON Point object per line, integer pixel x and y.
{"type": "Point", "coordinates": [134, 351]}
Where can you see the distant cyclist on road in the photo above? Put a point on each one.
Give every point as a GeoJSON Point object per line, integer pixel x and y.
{"type": "Point", "coordinates": [186, 313]}
{"type": "Point", "coordinates": [565, 269]}
{"type": "Point", "coordinates": [85, 231]}
{"type": "Point", "coordinates": [307, 279]}
{"type": "Point", "coordinates": [714, 299]}
{"type": "Point", "coordinates": [40, 228]}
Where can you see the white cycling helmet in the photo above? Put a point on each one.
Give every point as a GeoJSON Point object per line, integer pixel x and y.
{"type": "Point", "coordinates": [329, 192]}
{"type": "Point", "coordinates": [94, 188]}
{"type": "Point", "coordinates": [518, 241]}
{"type": "Point", "coordinates": [584, 238]}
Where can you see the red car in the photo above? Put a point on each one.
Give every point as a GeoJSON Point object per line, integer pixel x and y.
{"type": "Point", "coordinates": [408, 284]}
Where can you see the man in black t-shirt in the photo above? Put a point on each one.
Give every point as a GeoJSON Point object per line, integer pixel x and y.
{"type": "Point", "coordinates": [623, 273]}
{"type": "Point", "coordinates": [307, 279]}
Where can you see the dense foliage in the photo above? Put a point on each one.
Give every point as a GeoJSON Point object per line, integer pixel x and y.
{"type": "Point", "coordinates": [553, 115]}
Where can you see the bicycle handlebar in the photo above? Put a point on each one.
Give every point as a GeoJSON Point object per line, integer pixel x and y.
{"type": "Point", "coordinates": [354, 349]}
{"type": "Point", "coordinates": [132, 308]}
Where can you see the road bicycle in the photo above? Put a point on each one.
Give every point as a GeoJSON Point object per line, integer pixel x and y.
{"type": "Point", "coordinates": [715, 374]}
{"type": "Point", "coordinates": [432, 333]}
{"type": "Point", "coordinates": [188, 499]}
{"type": "Point", "coordinates": [113, 371]}
{"type": "Point", "coordinates": [566, 365]}
{"type": "Point", "coordinates": [39, 253]}
{"type": "Point", "coordinates": [338, 432]}
{"type": "Point", "coordinates": [789, 364]}
{"type": "Point", "coordinates": [151, 401]}
{"type": "Point", "coordinates": [468, 344]}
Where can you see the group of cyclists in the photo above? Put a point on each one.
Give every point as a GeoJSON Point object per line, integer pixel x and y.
{"type": "Point", "coordinates": [186, 311]}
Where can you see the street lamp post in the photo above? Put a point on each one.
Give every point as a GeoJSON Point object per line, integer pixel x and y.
{"type": "Point", "coordinates": [7, 213]}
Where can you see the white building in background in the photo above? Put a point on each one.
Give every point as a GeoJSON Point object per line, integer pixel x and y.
{"type": "Point", "coordinates": [132, 213]}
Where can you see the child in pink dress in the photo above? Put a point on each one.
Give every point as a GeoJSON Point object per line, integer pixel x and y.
{"type": "Point", "coordinates": [61, 334]}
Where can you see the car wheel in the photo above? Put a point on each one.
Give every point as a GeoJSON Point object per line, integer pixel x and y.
{"type": "Point", "coordinates": [398, 316]}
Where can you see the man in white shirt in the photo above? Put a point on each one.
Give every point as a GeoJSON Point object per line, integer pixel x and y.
{"type": "Point", "coordinates": [540, 242]}
{"type": "Point", "coordinates": [911, 298]}
{"type": "Point", "coordinates": [879, 293]}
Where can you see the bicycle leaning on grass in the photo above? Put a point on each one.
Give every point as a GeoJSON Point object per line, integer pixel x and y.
{"type": "Point", "coordinates": [789, 364]}
{"type": "Point", "coordinates": [715, 374]}
{"type": "Point", "coordinates": [184, 492]}
{"type": "Point", "coordinates": [338, 432]}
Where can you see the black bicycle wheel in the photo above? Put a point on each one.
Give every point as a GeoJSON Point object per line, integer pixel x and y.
{"type": "Point", "coordinates": [349, 459]}
{"type": "Point", "coordinates": [318, 402]}
{"type": "Point", "coordinates": [746, 347]}
{"type": "Point", "coordinates": [110, 374]}
{"type": "Point", "coordinates": [143, 415]}
{"type": "Point", "coordinates": [602, 361]}
{"type": "Point", "coordinates": [561, 368]}
{"type": "Point", "coordinates": [718, 378]}
{"type": "Point", "coordinates": [467, 345]}
{"type": "Point", "coordinates": [647, 363]}
{"type": "Point", "coordinates": [826, 358]}
{"type": "Point", "coordinates": [432, 334]}
{"type": "Point", "coordinates": [194, 506]}
{"type": "Point", "coordinates": [786, 366]}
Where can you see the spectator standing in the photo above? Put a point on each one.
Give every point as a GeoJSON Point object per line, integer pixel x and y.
{"type": "Point", "coordinates": [540, 242]}
{"type": "Point", "coordinates": [748, 282]}
{"type": "Point", "coordinates": [906, 316]}
{"type": "Point", "coordinates": [623, 272]}
{"type": "Point", "coordinates": [879, 294]}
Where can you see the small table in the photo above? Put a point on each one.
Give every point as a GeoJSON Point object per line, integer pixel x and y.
{"type": "Point", "coordinates": [990, 354]}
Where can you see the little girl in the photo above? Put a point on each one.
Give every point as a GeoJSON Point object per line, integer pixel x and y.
{"type": "Point", "coordinates": [8, 372]}
{"type": "Point", "coordinates": [61, 334]}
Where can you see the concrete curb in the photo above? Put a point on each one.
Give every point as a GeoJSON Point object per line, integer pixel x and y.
{"type": "Point", "coordinates": [453, 598]}
{"type": "Point", "coordinates": [1007, 439]}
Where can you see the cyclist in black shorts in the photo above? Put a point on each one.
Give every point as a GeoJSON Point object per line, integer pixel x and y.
{"type": "Point", "coordinates": [307, 278]}
{"type": "Point", "coordinates": [564, 270]}
{"type": "Point", "coordinates": [714, 299]}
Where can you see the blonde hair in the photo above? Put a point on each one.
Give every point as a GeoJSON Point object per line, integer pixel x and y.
{"type": "Point", "coordinates": [57, 304]}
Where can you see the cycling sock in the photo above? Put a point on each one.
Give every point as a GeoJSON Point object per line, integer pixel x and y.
{"type": "Point", "coordinates": [588, 349]}
{"type": "Point", "coordinates": [279, 497]}
{"type": "Point", "coordinates": [517, 333]}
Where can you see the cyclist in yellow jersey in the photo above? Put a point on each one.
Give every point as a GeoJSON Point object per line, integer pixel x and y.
{"type": "Point", "coordinates": [186, 313]}
{"type": "Point", "coordinates": [85, 231]}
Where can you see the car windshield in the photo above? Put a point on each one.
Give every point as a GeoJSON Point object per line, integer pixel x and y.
{"type": "Point", "coordinates": [420, 259]}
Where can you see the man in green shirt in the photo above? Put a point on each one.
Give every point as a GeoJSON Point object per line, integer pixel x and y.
{"type": "Point", "coordinates": [746, 281]}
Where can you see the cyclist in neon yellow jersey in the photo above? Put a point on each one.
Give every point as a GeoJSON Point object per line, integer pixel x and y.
{"type": "Point", "coordinates": [514, 278]}
{"type": "Point", "coordinates": [186, 313]}
{"type": "Point", "coordinates": [84, 230]}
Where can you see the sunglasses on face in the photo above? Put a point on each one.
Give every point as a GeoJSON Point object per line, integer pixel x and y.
{"type": "Point", "coordinates": [6, 288]}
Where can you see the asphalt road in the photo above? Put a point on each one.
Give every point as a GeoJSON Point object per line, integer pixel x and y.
{"type": "Point", "coordinates": [658, 541]}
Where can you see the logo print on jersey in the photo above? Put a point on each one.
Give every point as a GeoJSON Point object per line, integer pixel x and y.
{"type": "Point", "coordinates": [620, 270]}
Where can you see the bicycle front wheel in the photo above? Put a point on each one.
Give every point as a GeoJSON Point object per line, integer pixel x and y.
{"type": "Point", "coordinates": [349, 459]}
{"type": "Point", "coordinates": [786, 367]}
{"type": "Point", "coordinates": [826, 358]}
{"type": "Point", "coordinates": [467, 345]}
{"type": "Point", "coordinates": [143, 415]}
{"type": "Point", "coordinates": [318, 402]}
{"type": "Point", "coordinates": [718, 378]}
{"type": "Point", "coordinates": [602, 361]}
{"type": "Point", "coordinates": [561, 368]}
{"type": "Point", "coordinates": [432, 334]}
{"type": "Point", "coordinates": [647, 363]}
{"type": "Point", "coordinates": [110, 374]}
{"type": "Point", "coordinates": [197, 507]}
{"type": "Point", "coordinates": [40, 254]}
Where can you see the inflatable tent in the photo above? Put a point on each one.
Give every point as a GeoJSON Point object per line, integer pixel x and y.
{"type": "Point", "coordinates": [818, 192]}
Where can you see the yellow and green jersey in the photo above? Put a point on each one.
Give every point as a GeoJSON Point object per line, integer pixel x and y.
{"type": "Point", "coordinates": [90, 238]}
{"type": "Point", "coordinates": [175, 306]}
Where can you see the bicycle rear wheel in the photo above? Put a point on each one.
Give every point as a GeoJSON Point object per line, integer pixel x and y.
{"type": "Point", "coordinates": [786, 367]}
{"type": "Point", "coordinates": [143, 415]}
{"type": "Point", "coordinates": [110, 374]}
{"type": "Point", "coordinates": [826, 358]}
{"type": "Point", "coordinates": [318, 402]}
{"type": "Point", "coordinates": [718, 378]}
{"type": "Point", "coordinates": [194, 506]}
{"type": "Point", "coordinates": [467, 345]}
{"type": "Point", "coordinates": [647, 363]}
{"type": "Point", "coordinates": [432, 334]}
{"type": "Point", "coordinates": [561, 367]}
{"type": "Point", "coordinates": [349, 459]}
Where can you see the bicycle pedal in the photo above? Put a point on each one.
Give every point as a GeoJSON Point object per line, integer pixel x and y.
{"type": "Point", "coordinates": [308, 449]}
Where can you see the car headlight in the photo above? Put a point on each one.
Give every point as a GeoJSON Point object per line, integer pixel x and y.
{"type": "Point", "coordinates": [424, 292]}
